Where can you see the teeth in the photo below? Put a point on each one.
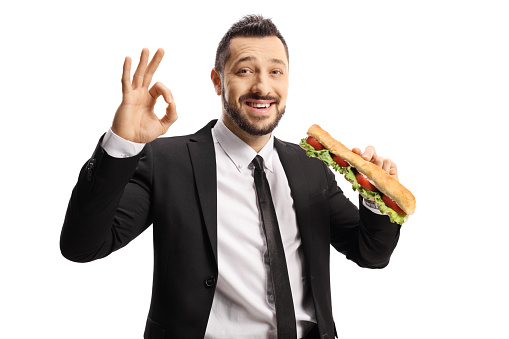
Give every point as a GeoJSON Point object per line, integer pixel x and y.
{"type": "Point", "coordinates": [252, 104]}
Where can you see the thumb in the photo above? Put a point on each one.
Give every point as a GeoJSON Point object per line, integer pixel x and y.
{"type": "Point", "coordinates": [170, 117]}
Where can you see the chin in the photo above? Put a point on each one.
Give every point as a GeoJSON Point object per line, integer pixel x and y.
{"type": "Point", "coordinates": [254, 125]}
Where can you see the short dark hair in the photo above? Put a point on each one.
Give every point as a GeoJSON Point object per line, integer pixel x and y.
{"type": "Point", "coordinates": [248, 26]}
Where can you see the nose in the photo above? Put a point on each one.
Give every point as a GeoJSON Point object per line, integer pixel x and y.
{"type": "Point", "coordinates": [261, 84]}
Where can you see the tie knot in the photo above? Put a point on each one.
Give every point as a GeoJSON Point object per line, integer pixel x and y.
{"type": "Point", "coordinates": [258, 162]}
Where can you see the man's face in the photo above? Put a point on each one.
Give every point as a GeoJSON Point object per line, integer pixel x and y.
{"type": "Point", "coordinates": [254, 86]}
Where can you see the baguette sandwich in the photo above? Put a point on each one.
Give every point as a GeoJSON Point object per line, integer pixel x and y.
{"type": "Point", "coordinates": [372, 182]}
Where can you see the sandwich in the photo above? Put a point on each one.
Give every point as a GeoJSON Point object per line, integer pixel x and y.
{"type": "Point", "coordinates": [372, 182]}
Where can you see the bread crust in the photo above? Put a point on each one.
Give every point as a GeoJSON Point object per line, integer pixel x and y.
{"type": "Point", "coordinates": [382, 180]}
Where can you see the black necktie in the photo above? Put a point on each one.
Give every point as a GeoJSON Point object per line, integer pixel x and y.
{"type": "Point", "coordinates": [285, 314]}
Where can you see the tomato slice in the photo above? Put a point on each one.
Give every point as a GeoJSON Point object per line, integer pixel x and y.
{"type": "Point", "coordinates": [364, 182]}
{"type": "Point", "coordinates": [315, 143]}
{"type": "Point", "coordinates": [392, 204]}
{"type": "Point", "coordinates": [340, 161]}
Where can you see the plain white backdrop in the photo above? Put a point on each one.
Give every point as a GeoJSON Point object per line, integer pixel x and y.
{"type": "Point", "coordinates": [425, 82]}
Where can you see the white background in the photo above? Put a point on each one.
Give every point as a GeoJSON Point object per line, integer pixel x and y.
{"type": "Point", "coordinates": [425, 82]}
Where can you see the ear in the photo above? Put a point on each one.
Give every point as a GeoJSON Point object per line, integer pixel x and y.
{"type": "Point", "coordinates": [216, 80]}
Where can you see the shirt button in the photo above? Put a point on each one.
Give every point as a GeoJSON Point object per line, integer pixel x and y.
{"type": "Point", "coordinates": [210, 281]}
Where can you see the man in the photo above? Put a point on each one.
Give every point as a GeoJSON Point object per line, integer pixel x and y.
{"type": "Point", "coordinates": [214, 264]}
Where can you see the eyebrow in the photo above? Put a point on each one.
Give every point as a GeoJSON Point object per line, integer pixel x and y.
{"type": "Point", "coordinates": [251, 58]}
{"type": "Point", "coordinates": [278, 61]}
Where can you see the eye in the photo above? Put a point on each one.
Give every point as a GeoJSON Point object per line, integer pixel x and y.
{"type": "Point", "coordinates": [276, 72]}
{"type": "Point", "coordinates": [244, 71]}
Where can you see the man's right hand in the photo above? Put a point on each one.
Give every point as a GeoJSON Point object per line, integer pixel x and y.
{"type": "Point", "coordinates": [135, 119]}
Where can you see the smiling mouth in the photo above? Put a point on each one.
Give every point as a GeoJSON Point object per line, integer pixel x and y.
{"type": "Point", "coordinates": [256, 105]}
{"type": "Point", "coordinates": [259, 106]}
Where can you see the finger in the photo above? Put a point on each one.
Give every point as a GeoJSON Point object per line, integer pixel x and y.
{"type": "Point", "coordinates": [356, 150]}
{"type": "Point", "coordinates": [394, 170]}
{"type": "Point", "coordinates": [387, 165]}
{"type": "Point", "coordinates": [170, 117]}
{"type": "Point", "coordinates": [160, 89]}
{"type": "Point", "coordinates": [378, 160]}
{"type": "Point", "coordinates": [126, 76]}
{"type": "Point", "coordinates": [152, 67]}
{"type": "Point", "coordinates": [369, 153]}
{"type": "Point", "coordinates": [140, 70]}
{"type": "Point", "coordinates": [390, 167]}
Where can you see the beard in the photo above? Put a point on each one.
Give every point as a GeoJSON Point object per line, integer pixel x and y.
{"type": "Point", "coordinates": [251, 128]}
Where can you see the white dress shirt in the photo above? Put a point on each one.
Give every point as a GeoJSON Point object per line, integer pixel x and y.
{"type": "Point", "coordinates": [243, 305]}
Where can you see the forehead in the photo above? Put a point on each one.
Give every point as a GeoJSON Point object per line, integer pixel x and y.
{"type": "Point", "coordinates": [258, 49]}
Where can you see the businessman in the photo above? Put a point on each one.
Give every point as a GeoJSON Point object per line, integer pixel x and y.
{"type": "Point", "coordinates": [242, 222]}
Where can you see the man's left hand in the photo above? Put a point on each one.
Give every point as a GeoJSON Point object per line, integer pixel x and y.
{"type": "Point", "coordinates": [386, 164]}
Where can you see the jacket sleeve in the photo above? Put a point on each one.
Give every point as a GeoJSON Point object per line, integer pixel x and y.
{"type": "Point", "coordinates": [364, 237]}
{"type": "Point", "coordinates": [109, 206]}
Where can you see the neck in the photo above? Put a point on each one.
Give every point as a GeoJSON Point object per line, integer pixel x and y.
{"type": "Point", "coordinates": [256, 142]}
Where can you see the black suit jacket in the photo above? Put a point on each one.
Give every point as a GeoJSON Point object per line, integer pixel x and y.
{"type": "Point", "coordinates": [172, 185]}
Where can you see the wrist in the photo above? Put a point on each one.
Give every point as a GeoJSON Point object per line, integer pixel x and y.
{"type": "Point", "coordinates": [371, 205]}
{"type": "Point", "coordinates": [118, 147]}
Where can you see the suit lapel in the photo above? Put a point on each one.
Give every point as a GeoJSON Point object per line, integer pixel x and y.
{"type": "Point", "coordinates": [316, 256]}
{"type": "Point", "coordinates": [299, 186]}
{"type": "Point", "coordinates": [203, 159]}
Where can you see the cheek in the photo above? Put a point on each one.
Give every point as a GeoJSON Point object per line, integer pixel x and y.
{"type": "Point", "coordinates": [283, 94]}
{"type": "Point", "coordinates": [230, 91]}
{"type": "Point", "coordinates": [281, 87]}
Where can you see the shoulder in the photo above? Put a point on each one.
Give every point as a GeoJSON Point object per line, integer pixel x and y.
{"type": "Point", "coordinates": [173, 141]}
{"type": "Point", "coordinates": [292, 154]}
{"type": "Point", "coordinates": [296, 152]}
{"type": "Point", "coordinates": [290, 147]}
{"type": "Point", "coordinates": [177, 144]}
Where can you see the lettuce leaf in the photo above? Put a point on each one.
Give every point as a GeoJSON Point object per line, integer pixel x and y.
{"type": "Point", "coordinates": [394, 216]}
{"type": "Point", "coordinates": [325, 156]}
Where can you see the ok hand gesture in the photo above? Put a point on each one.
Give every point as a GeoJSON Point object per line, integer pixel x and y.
{"type": "Point", "coordinates": [135, 119]}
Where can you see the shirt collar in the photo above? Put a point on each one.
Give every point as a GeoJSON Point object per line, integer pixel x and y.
{"type": "Point", "coordinates": [240, 153]}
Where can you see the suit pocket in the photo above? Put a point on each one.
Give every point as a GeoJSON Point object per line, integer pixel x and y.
{"type": "Point", "coordinates": [153, 330]}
